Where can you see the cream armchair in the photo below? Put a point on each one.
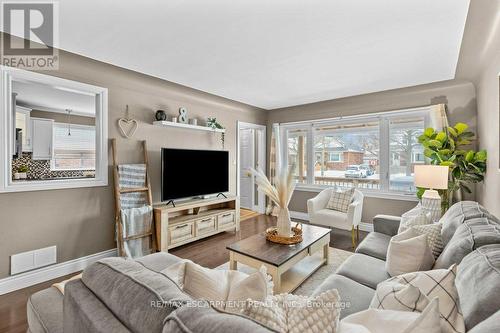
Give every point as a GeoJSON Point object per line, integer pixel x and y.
{"type": "Point", "coordinates": [320, 215]}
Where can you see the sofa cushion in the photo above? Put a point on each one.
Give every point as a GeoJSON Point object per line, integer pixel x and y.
{"type": "Point", "coordinates": [354, 296]}
{"type": "Point", "coordinates": [492, 324]}
{"type": "Point", "coordinates": [45, 311]}
{"type": "Point", "coordinates": [478, 284]}
{"type": "Point", "coordinates": [158, 261]}
{"type": "Point", "coordinates": [204, 319]}
{"type": "Point", "coordinates": [140, 298]}
{"type": "Point", "coordinates": [332, 218]}
{"type": "Point", "coordinates": [84, 312]}
{"type": "Point", "coordinates": [364, 269]}
{"type": "Point", "coordinates": [470, 235]}
{"type": "Point", "coordinates": [375, 245]}
{"type": "Point", "coordinates": [460, 212]}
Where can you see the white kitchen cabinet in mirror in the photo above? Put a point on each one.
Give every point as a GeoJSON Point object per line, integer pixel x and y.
{"type": "Point", "coordinates": [53, 132]}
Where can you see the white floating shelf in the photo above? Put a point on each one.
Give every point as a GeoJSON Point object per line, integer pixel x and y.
{"type": "Point", "coordinates": [187, 126]}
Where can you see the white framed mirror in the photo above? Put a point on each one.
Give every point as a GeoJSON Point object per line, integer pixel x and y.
{"type": "Point", "coordinates": [54, 132]}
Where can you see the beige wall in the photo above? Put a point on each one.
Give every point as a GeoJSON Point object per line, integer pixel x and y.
{"type": "Point", "coordinates": [487, 85]}
{"type": "Point", "coordinates": [80, 221]}
{"type": "Point", "coordinates": [459, 95]}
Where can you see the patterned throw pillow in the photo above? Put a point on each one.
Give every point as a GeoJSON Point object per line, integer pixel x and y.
{"type": "Point", "coordinates": [416, 216]}
{"type": "Point", "coordinates": [438, 283]}
{"type": "Point", "coordinates": [297, 314]}
{"type": "Point", "coordinates": [340, 200]}
{"type": "Point", "coordinates": [434, 239]}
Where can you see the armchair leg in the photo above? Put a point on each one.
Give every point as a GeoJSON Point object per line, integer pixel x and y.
{"type": "Point", "coordinates": [353, 238]}
{"type": "Point", "coordinates": [357, 233]}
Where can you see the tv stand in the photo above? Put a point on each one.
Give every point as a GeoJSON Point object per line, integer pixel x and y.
{"type": "Point", "coordinates": [195, 219]}
{"type": "Point", "coordinates": [220, 193]}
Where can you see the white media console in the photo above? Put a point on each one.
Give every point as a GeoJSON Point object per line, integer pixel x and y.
{"type": "Point", "coordinates": [195, 219]}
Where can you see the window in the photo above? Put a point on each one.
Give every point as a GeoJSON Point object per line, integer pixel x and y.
{"type": "Point", "coordinates": [297, 153]}
{"type": "Point", "coordinates": [75, 151]}
{"type": "Point", "coordinates": [406, 152]}
{"type": "Point", "coordinates": [374, 152]}
{"type": "Point", "coordinates": [334, 157]}
{"type": "Point", "coordinates": [353, 144]}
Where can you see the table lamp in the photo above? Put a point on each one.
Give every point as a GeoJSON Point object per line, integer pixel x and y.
{"type": "Point", "coordinates": [432, 177]}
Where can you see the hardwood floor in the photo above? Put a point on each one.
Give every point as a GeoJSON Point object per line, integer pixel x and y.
{"type": "Point", "coordinates": [210, 252]}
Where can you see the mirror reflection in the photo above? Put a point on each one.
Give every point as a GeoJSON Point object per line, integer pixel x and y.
{"type": "Point", "coordinates": [54, 132]}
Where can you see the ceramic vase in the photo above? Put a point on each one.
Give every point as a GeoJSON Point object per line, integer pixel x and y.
{"type": "Point", "coordinates": [284, 225]}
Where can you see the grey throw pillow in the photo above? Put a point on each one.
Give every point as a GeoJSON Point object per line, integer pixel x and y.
{"type": "Point", "coordinates": [478, 284]}
{"type": "Point", "coordinates": [470, 235]}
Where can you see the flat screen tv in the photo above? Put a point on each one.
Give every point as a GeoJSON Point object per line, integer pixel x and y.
{"type": "Point", "coordinates": [188, 173]}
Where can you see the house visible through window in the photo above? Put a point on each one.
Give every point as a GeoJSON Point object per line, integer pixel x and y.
{"type": "Point", "coordinates": [372, 152]}
{"type": "Point", "coordinates": [75, 151]}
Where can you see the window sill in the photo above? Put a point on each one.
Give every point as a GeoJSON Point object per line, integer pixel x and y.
{"type": "Point", "coordinates": [366, 193]}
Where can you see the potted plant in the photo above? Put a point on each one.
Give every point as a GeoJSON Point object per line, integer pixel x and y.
{"type": "Point", "coordinates": [449, 147]}
{"type": "Point", "coordinates": [212, 123]}
{"type": "Point", "coordinates": [22, 172]}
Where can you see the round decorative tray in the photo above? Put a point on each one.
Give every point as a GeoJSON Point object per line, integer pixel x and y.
{"type": "Point", "coordinates": [272, 236]}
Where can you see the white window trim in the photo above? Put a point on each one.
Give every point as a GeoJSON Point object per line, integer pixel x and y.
{"type": "Point", "coordinates": [52, 161]}
{"type": "Point", "coordinates": [384, 153]}
{"type": "Point", "coordinates": [6, 184]}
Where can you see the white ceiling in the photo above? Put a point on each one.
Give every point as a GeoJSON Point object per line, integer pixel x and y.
{"type": "Point", "coordinates": [272, 53]}
{"type": "Point", "coordinates": [53, 99]}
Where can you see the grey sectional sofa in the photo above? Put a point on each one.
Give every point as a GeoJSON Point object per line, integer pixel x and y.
{"type": "Point", "coordinates": [120, 295]}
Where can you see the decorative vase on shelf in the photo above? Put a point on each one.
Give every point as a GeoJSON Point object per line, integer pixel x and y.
{"type": "Point", "coordinates": [284, 224]}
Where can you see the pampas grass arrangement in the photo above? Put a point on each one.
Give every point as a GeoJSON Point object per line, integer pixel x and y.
{"type": "Point", "coordinates": [280, 194]}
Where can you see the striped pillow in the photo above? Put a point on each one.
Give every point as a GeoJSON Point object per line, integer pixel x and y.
{"type": "Point", "coordinates": [340, 200]}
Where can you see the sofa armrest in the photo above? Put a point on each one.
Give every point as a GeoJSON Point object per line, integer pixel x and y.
{"type": "Point", "coordinates": [386, 224]}
{"type": "Point", "coordinates": [319, 202]}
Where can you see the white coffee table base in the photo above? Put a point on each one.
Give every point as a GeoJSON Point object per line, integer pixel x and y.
{"type": "Point", "coordinates": [290, 275]}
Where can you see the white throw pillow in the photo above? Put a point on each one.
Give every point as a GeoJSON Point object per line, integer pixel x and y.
{"type": "Point", "coordinates": [297, 314]}
{"type": "Point", "coordinates": [434, 239]}
{"type": "Point", "coordinates": [383, 321]}
{"type": "Point", "coordinates": [398, 296]}
{"type": "Point", "coordinates": [438, 283]}
{"type": "Point", "coordinates": [225, 289]}
{"type": "Point", "coordinates": [415, 216]}
{"type": "Point", "coordinates": [340, 200]}
{"type": "Point", "coordinates": [408, 252]}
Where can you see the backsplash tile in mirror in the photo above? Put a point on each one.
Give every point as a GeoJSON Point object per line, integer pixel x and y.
{"type": "Point", "coordinates": [40, 169]}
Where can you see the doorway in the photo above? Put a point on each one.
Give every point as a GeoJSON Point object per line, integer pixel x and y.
{"type": "Point", "coordinates": [251, 154]}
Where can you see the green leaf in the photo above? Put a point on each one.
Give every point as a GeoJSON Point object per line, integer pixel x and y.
{"type": "Point", "coordinates": [428, 152]}
{"type": "Point", "coordinates": [467, 135]}
{"type": "Point", "coordinates": [463, 142]}
{"type": "Point", "coordinates": [470, 156]}
{"type": "Point", "coordinates": [452, 131]}
{"type": "Point", "coordinates": [445, 151]}
{"type": "Point", "coordinates": [428, 132]}
{"type": "Point", "coordinates": [420, 192]}
{"type": "Point", "coordinates": [446, 163]}
{"type": "Point", "coordinates": [467, 189]}
{"type": "Point", "coordinates": [441, 136]}
{"type": "Point", "coordinates": [435, 143]}
{"type": "Point", "coordinates": [481, 155]}
{"type": "Point", "coordinates": [422, 138]}
{"type": "Point", "coordinates": [461, 127]}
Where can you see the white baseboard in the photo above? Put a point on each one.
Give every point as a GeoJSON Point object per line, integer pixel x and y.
{"type": "Point", "coordinates": [363, 226]}
{"type": "Point", "coordinates": [23, 280]}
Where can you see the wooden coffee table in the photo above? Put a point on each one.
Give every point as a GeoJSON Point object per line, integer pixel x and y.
{"type": "Point", "coordinates": [289, 265]}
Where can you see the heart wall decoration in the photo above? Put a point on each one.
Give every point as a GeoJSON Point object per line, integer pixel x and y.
{"type": "Point", "coordinates": [127, 125]}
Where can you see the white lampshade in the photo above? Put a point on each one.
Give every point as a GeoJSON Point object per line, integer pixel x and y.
{"type": "Point", "coordinates": [431, 176]}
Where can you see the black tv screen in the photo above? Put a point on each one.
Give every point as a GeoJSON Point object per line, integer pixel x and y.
{"type": "Point", "coordinates": [189, 173]}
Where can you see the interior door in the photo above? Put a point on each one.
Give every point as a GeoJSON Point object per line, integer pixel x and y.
{"type": "Point", "coordinates": [247, 158]}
